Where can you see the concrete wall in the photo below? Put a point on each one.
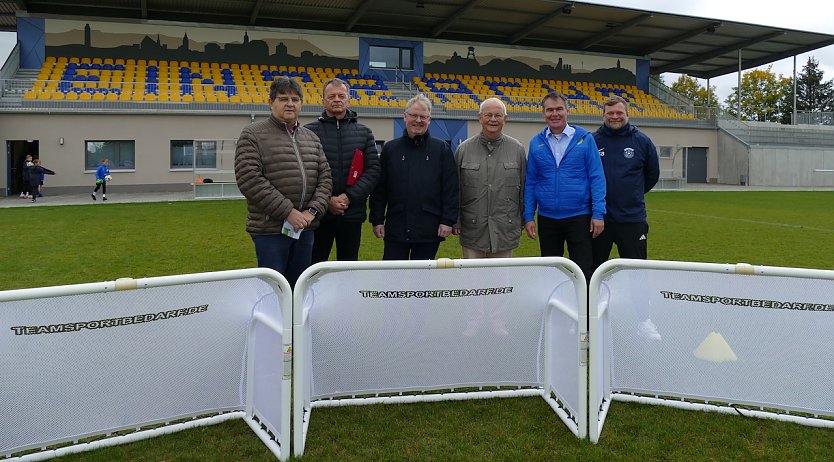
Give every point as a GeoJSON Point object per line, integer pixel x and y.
{"type": "Point", "coordinates": [734, 160]}
{"type": "Point", "coordinates": [791, 166]}
{"type": "Point", "coordinates": [153, 134]}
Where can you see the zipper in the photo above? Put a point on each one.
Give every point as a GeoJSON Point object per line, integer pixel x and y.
{"type": "Point", "coordinates": [300, 167]}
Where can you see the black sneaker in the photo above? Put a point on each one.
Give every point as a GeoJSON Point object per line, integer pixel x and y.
{"type": "Point", "coordinates": [93, 195]}
{"type": "Point", "coordinates": [33, 199]}
{"type": "Point", "coordinates": [103, 198]}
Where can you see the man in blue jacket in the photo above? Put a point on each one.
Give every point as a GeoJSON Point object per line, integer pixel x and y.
{"type": "Point", "coordinates": [566, 185]}
{"type": "Point", "coordinates": [632, 168]}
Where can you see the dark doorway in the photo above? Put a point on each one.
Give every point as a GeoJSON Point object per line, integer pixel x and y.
{"type": "Point", "coordinates": [17, 151]}
{"type": "Point", "coordinates": [696, 165]}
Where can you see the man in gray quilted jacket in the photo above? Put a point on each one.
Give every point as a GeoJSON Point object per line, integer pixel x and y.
{"type": "Point", "coordinates": [282, 171]}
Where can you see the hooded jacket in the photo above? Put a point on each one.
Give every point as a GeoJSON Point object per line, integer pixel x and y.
{"type": "Point", "coordinates": [575, 187]}
{"type": "Point", "coordinates": [340, 138]}
{"type": "Point", "coordinates": [632, 168]}
{"type": "Point", "coordinates": [278, 171]}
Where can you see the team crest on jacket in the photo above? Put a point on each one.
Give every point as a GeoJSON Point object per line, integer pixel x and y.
{"type": "Point", "coordinates": [628, 153]}
{"type": "Point", "coordinates": [601, 152]}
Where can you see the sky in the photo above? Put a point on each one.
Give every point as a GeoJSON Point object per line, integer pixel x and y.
{"type": "Point", "coordinates": [806, 15]}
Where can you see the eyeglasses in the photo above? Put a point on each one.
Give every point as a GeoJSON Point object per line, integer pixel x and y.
{"type": "Point", "coordinates": [418, 117]}
{"type": "Point", "coordinates": [489, 116]}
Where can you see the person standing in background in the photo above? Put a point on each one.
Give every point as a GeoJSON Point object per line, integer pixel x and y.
{"type": "Point", "coordinates": [102, 172]}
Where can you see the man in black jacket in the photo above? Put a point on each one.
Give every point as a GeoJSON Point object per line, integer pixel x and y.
{"type": "Point", "coordinates": [415, 204]}
{"type": "Point", "coordinates": [347, 145]}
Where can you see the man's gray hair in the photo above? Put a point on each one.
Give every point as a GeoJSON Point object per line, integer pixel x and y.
{"type": "Point", "coordinates": [335, 81]}
{"type": "Point", "coordinates": [419, 99]}
{"type": "Point", "coordinates": [493, 100]}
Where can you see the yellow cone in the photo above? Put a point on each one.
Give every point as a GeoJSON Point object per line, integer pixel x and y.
{"type": "Point", "coordinates": [714, 348]}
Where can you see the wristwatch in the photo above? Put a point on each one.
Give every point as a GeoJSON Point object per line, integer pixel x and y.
{"type": "Point", "coordinates": [313, 211]}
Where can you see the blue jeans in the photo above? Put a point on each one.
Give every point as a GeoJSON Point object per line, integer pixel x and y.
{"type": "Point", "coordinates": [284, 254]}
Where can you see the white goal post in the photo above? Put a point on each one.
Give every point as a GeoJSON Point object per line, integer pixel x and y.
{"type": "Point", "coordinates": [411, 331]}
{"type": "Point", "coordinates": [749, 340]}
{"type": "Point", "coordinates": [136, 358]}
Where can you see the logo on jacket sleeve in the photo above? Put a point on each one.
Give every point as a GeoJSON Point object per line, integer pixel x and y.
{"type": "Point", "coordinates": [628, 153]}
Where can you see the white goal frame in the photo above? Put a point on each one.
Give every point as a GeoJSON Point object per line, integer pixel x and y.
{"type": "Point", "coordinates": [602, 393]}
{"type": "Point", "coordinates": [275, 435]}
{"type": "Point", "coordinates": [303, 404]}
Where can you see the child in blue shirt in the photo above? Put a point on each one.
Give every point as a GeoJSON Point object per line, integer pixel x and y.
{"type": "Point", "coordinates": [102, 172]}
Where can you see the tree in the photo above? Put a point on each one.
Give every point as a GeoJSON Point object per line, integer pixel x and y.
{"type": "Point", "coordinates": [761, 93]}
{"type": "Point", "coordinates": [689, 87]}
{"type": "Point", "coordinates": [812, 93]}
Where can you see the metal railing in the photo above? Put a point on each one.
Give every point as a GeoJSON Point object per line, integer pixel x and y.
{"type": "Point", "coordinates": [814, 118]}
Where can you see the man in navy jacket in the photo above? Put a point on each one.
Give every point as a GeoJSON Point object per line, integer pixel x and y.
{"type": "Point", "coordinates": [343, 138]}
{"type": "Point", "coordinates": [565, 186]}
{"type": "Point", "coordinates": [415, 203]}
{"type": "Point", "coordinates": [631, 170]}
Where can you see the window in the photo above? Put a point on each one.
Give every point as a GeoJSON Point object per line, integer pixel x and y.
{"type": "Point", "coordinates": [391, 57]}
{"type": "Point", "coordinates": [664, 152]}
{"type": "Point", "coordinates": [182, 154]}
{"type": "Point", "coordinates": [122, 154]}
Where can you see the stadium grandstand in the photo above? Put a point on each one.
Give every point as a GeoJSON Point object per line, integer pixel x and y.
{"type": "Point", "coordinates": [159, 90]}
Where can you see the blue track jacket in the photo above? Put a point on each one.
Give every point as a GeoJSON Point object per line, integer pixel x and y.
{"type": "Point", "coordinates": [575, 187]}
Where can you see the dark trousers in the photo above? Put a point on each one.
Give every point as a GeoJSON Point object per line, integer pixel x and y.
{"type": "Point", "coordinates": [284, 254]}
{"type": "Point", "coordinates": [554, 233]}
{"type": "Point", "coordinates": [346, 235]}
{"type": "Point", "coordinates": [631, 239]}
{"type": "Point", "coordinates": [103, 187]}
{"type": "Point", "coordinates": [395, 250]}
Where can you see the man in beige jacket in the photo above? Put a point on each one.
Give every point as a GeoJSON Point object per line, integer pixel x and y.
{"type": "Point", "coordinates": [492, 167]}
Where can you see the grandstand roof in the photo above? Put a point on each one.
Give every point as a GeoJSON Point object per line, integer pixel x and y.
{"type": "Point", "coordinates": [699, 47]}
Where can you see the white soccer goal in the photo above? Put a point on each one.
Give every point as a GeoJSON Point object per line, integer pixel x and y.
{"type": "Point", "coordinates": [144, 357]}
{"type": "Point", "coordinates": [391, 331]}
{"type": "Point", "coordinates": [739, 339]}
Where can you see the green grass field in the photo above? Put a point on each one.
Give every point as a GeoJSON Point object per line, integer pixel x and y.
{"type": "Point", "coordinates": [73, 244]}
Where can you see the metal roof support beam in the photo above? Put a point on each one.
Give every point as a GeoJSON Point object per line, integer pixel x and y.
{"type": "Point", "coordinates": [453, 17]}
{"type": "Point", "coordinates": [354, 18]}
{"type": "Point", "coordinates": [255, 11]}
{"type": "Point", "coordinates": [526, 30]}
{"type": "Point", "coordinates": [769, 59]}
{"type": "Point", "coordinates": [614, 31]}
{"type": "Point", "coordinates": [710, 28]}
{"type": "Point", "coordinates": [671, 67]}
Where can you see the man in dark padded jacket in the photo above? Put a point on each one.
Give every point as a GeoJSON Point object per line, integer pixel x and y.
{"type": "Point", "coordinates": [631, 166]}
{"type": "Point", "coordinates": [348, 144]}
{"type": "Point", "coordinates": [415, 204]}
